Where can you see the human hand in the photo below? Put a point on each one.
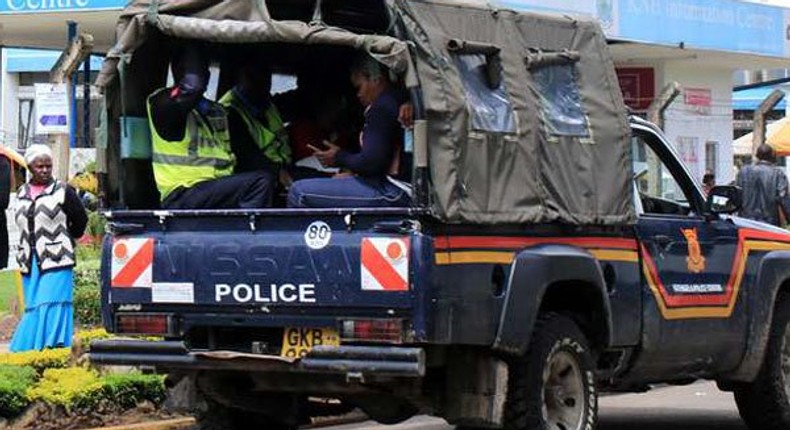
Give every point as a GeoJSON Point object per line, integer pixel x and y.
{"type": "Point", "coordinates": [342, 175]}
{"type": "Point", "coordinates": [285, 178]}
{"type": "Point", "coordinates": [406, 114]}
{"type": "Point", "coordinates": [327, 155]}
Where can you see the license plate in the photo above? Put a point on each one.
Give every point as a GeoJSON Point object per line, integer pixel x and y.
{"type": "Point", "coordinates": [299, 341]}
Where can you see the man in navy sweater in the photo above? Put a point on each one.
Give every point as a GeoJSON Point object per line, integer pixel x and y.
{"type": "Point", "coordinates": [373, 175]}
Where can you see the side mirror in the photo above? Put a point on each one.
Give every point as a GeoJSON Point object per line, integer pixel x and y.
{"type": "Point", "coordinates": [724, 199]}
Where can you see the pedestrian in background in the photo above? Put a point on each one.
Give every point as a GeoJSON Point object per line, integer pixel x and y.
{"type": "Point", "coordinates": [764, 188]}
{"type": "Point", "coordinates": [50, 217]}
{"type": "Point", "coordinates": [708, 182]}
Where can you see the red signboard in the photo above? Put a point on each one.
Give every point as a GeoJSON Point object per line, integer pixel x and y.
{"type": "Point", "coordinates": [698, 100]}
{"type": "Point", "coordinates": [697, 96]}
{"type": "Point", "coordinates": [638, 85]}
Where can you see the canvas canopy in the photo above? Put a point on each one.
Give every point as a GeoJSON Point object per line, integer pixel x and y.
{"type": "Point", "coordinates": [525, 120]}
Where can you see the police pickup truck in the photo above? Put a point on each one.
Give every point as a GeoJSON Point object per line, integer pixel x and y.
{"type": "Point", "coordinates": [556, 249]}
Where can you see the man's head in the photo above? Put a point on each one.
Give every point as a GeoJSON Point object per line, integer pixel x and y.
{"type": "Point", "coordinates": [369, 78]}
{"type": "Point", "coordinates": [709, 179]}
{"type": "Point", "coordinates": [255, 75]}
{"type": "Point", "coordinates": [766, 153]}
{"type": "Point", "coordinates": [190, 68]}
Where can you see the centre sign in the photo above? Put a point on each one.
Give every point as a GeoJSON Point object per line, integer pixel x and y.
{"type": "Point", "coordinates": [44, 6]}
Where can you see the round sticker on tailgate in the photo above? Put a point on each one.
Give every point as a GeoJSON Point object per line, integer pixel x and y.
{"type": "Point", "coordinates": [317, 235]}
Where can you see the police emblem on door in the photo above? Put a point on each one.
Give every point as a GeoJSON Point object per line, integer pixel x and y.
{"type": "Point", "coordinates": [695, 260]}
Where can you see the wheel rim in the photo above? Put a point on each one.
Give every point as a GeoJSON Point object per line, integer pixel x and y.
{"type": "Point", "coordinates": [563, 392]}
{"type": "Point", "coordinates": [785, 361]}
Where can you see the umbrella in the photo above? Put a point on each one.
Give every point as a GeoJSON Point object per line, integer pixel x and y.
{"type": "Point", "coordinates": [13, 156]}
{"type": "Point", "coordinates": [777, 134]}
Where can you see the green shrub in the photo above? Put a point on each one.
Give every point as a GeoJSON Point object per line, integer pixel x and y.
{"type": "Point", "coordinates": [88, 256]}
{"type": "Point", "coordinates": [96, 224]}
{"type": "Point", "coordinates": [14, 383]}
{"type": "Point", "coordinates": [77, 388]}
{"type": "Point", "coordinates": [128, 389]}
{"type": "Point", "coordinates": [87, 292]}
{"type": "Point", "coordinates": [56, 358]}
{"type": "Point", "coordinates": [73, 387]}
{"type": "Point", "coordinates": [83, 338]}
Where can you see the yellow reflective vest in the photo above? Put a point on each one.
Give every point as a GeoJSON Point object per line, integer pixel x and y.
{"type": "Point", "coordinates": [201, 155]}
{"type": "Point", "coordinates": [272, 137]}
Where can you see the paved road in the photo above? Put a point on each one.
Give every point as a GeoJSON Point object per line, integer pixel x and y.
{"type": "Point", "coordinates": [699, 406]}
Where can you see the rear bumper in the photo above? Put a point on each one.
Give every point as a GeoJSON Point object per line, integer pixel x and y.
{"type": "Point", "coordinates": [341, 360]}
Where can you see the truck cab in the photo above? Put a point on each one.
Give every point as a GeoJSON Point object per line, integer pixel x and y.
{"type": "Point", "coordinates": [556, 246]}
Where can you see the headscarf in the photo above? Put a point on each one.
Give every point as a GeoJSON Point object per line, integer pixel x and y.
{"type": "Point", "coordinates": [37, 150]}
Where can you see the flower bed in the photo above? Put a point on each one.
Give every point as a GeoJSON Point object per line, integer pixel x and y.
{"type": "Point", "coordinates": [49, 385]}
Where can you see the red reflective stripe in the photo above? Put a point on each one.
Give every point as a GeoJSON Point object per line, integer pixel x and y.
{"type": "Point", "coordinates": [381, 269]}
{"type": "Point", "coordinates": [136, 265]}
{"type": "Point", "coordinates": [452, 242]}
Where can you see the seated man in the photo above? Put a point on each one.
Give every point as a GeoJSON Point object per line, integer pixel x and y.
{"type": "Point", "coordinates": [258, 137]}
{"type": "Point", "coordinates": [327, 121]}
{"type": "Point", "coordinates": [374, 170]}
{"type": "Point", "coordinates": [192, 158]}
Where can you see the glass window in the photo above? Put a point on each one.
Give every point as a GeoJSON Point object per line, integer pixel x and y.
{"type": "Point", "coordinates": [658, 190]}
{"type": "Point", "coordinates": [560, 100]}
{"type": "Point", "coordinates": [487, 98]}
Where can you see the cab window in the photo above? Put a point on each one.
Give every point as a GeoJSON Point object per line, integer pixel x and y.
{"type": "Point", "coordinates": [485, 93]}
{"type": "Point", "coordinates": [656, 186]}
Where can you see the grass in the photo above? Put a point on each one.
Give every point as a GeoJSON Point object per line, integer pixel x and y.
{"type": "Point", "coordinates": [7, 291]}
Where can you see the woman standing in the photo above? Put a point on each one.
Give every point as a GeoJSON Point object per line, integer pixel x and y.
{"type": "Point", "coordinates": [50, 216]}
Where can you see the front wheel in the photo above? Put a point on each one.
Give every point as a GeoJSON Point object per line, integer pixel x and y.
{"type": "Point", "coordinates": [764, 404]}
{"type": "Point", "coordinates": [553, 386]}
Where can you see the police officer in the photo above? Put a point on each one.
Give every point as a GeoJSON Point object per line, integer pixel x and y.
{"type": "Point", "coordinates": [258, 136]}
{"type": "Point", "coordinates": [192, 159]}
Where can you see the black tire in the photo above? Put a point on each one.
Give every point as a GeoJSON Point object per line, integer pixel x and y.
{"type": "Point", "coordinates": [553, 386]}
{"type": "Point", "coordinates": [764, 404]}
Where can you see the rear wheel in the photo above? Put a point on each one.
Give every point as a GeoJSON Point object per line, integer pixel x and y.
{"type": "Point", "coordinates": [764, 404]}
{"type": "Point", "coordinates": [553, 386]}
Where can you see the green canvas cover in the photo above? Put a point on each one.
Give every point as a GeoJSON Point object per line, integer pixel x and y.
{"type": "Point", "coordinates": [525, 119]}
{"type": "Point", "coordinates": [527, 174]}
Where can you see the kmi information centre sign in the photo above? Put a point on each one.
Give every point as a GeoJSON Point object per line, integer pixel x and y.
{"type": "Point", "coordinates": [44, 6]}
{"type": "Point", "coordinates": [726, 25]}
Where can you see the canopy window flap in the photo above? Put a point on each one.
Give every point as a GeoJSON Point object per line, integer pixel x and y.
{"type": "Point", "coordinates": [493, 68]}
{"type": "Point", "coordinates": [465, 47]}
{"type": "Point", "coordinates": [537, 58]}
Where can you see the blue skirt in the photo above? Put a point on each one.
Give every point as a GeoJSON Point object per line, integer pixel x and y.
{"type": "Point", "coordinates": [48, 321]}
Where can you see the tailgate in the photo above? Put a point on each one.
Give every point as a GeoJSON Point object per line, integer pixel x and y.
{"type": "Point", "coordinates": [277, 267]}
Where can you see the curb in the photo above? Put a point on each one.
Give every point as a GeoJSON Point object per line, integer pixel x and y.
{"type": "Point", "coordinates": [174, 424]}
{"type": "Point", "coordinates": [188, 423]}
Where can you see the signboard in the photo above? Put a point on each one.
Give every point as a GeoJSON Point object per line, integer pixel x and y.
{"type": "Point", "coordinates": [44, 6]}
{"type": "Point", "coordinates": [638, 86]}
{"type": "Point", "coordinates": [727, 25]}
{"type": "Point", "coordinates": [52, 109]}
{"type": "Point", "coordinates": [699, 99]}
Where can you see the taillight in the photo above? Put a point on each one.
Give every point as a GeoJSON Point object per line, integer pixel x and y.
{"type": "Point", "coordinates": [372, 330]}
{"type": "Point", "coordinates": [154, 324]}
